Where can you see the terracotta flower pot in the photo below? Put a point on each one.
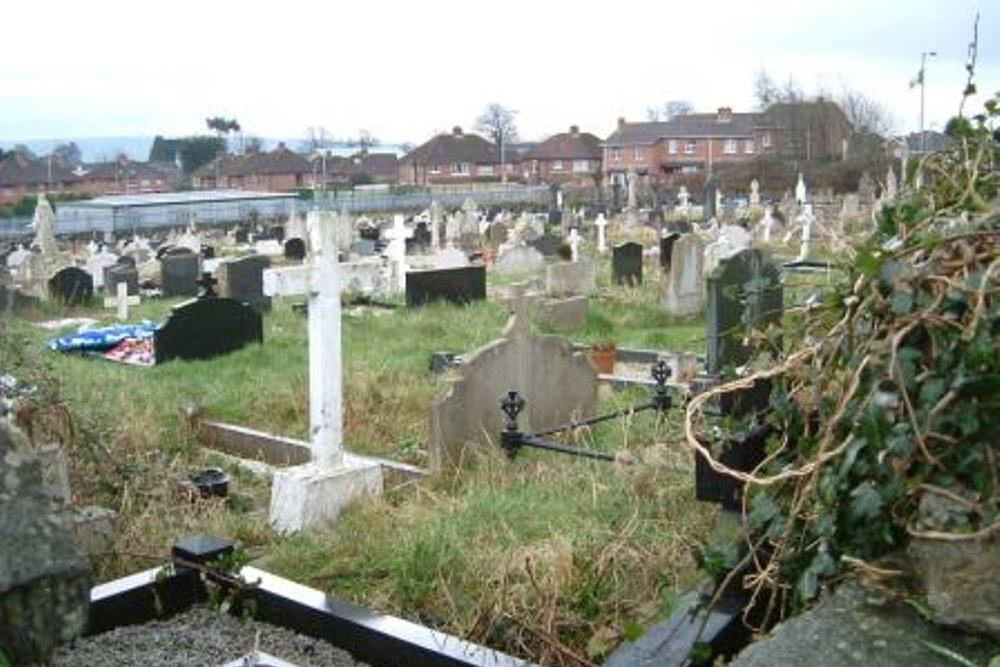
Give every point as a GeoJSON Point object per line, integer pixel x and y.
{"type": "Point", "coordinates": [602, 355]}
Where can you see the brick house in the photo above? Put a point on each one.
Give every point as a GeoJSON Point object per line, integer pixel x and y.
{"type": "Point", "coordinates": [699, 142]}
{"type": "Point", "coordinates": [280, 170]}
{"type": "Point", "coordinates": [452, 159]}
{"type": "Point", "coordinates": [125, 176]}
{"type": "Point", "coordinates": [572, 157]}
{"type": "Point", "coordinates": [362, 167]}
{"type": "Point", "coordinates": [22, 176]}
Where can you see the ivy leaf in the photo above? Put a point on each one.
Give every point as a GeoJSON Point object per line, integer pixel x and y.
{"type": "Point", "coordinates": [902, 302]}
{"type": "Point", "coordinates": [866, 503]}
{"type": "Point", "coordinates": [762, 510]}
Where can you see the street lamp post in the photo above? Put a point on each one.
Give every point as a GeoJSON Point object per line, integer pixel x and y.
{"type": "Point", "coordinates": [923, 70]}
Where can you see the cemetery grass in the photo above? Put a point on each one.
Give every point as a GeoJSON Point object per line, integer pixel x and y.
{"type": "Point", "coordinates": [551, 559]}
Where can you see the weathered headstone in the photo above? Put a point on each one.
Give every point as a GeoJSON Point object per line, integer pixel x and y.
{"type": "Point", "coordinates": [626, 264]}
{"type": "Point", "coordinates": [179, 274]}
{"type": "Point", "coordinates": [71, 286]}
{"type": "Point", "coordinates": [242, 279]}
{"type": "Point", "coordinates": [569, 278]}
{"type": "Point", "coordinates": [458, 285]}
{"type": "Point", "coordinates": [520, 259]}
{"type": "Point", "coordinates": [557, 382]}
{"type": "Point", "coordinates": [121, 273]}
{"type": "Point", "coordinates": [685, 294]}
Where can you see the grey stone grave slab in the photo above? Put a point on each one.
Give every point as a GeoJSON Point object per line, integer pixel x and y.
{"type": "Point", "coordinates": [71, 286]}
{"type": "Point", "coordinates": [179, 274]}
{"type": "Point", "coordinates": [626, 264]}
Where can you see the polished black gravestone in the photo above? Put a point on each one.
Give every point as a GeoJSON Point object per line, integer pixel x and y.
{"type": "Point", "coordinates": [626, 264]}
{"type": "Point", "coordinates": [121, 273]}
{"type": "Point", "coordinates": [295, 249]}
{"type": "Point", "coordinates": [71, 286]}
{"type": "Point", "coordinates": [711, 189]}
{"type": "Point", "coordinates": [208, 252]}
{"type": "Point", "coordinates": [207, 327]}
{"type": "Point", "coordinates": [179, 274]}
{"type": "Point", "coordinates": [666, 248]}
{"type": "Point", "coordinates": [461, 285]}
{"type": "Point", "coordinates": [243, 279]}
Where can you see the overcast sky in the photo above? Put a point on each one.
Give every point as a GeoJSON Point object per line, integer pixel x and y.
{"type": "Point", "coordinates": [404, 70]}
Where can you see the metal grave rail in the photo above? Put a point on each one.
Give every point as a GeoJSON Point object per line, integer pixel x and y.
{"type": "Point", "coordinates": [512, 439]}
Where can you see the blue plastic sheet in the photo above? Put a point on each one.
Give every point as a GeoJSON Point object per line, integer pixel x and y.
{"type": "Point", "coordinates": [101, 339]}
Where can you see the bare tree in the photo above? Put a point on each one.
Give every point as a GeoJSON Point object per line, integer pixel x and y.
{"type": "Point", "coordinates": [767, 91]}
{"type": "Point", "coordinates": [674, 108]}
{"type": "Point", "coordinates": [316, 138]}
{"type": "Point", "coordinates": [252, 144]}
{"type": "Point", "coordinates": [865, 113]}
{"type": "Point", "coordinates": [497, 122]}
{"type": "Point", "coordinates": [653, 114]}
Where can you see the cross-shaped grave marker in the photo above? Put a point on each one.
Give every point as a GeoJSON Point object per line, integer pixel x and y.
{"type": "Point", "coordinates": [396, 250]}
{"type": "Point", "coordinates": [310, 494]}
{"type": "Point", "coordinates": [121, 301]}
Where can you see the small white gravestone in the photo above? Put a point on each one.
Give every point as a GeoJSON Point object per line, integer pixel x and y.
{"type": "Point", "coordinates": [396, 250]}
{"type": "Point", "coordinates": [770, 228]}
{"type": "Point", "coordinates": [754, 193]}
{"type": "Point", "coordinates": [306, 496]}
{"type": "Point", "coordinates": [685, 294]}
{"type": "Point", "coordinates": [574, 244]}
{"type": "Point", "coordinates": [602, 239]}
{"type": "Point", "coordinates": [800, 191]}
{"type": "Point", "coordinates": [121, 301]}
{"type": "Point", "coordinates": [891, 187]}
{"type": "Point", "coordinates": [806, 219]}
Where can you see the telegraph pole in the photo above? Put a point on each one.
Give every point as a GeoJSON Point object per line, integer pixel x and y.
{"type": "Point", "coordinates": [923, 85]}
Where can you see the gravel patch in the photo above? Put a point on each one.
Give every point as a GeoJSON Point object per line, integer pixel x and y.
{"type": "Point", "coordinates": [201, 637]}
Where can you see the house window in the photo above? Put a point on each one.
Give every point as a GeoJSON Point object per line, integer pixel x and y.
{"type": "Point", "coordinates": [616, 154]}
{"type": "Point", "coordinates": [509, 168]}
{"type": "Point", "coordinates": [748, 146]}
{"type": "Point", "coordinates": [486, 170]}
{"type": "Point", "coordinates": [581, 166]}
{"type": "Point", "coordinates": [435, 169]}
{"type": "Point", "coordinates": [690, 146]}
{"type": "Point", "coordinates": [557, 165]}
{"type": "Point", "coordinates": [766, 140]}
{"type": "Point", "coordinates": [672, 146]}
{"type": "Point", "coordinates": [460, 168]}
{"type": "Point", "coordinates": [638, 154]}
{"type": "Point", "coordinates": [730, 146]}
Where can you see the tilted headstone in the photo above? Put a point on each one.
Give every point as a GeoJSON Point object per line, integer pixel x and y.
{"type": "Point", "coordinates": [626, 264]}
{"type": "Point", "coordinates": [207, 327]}
{"type": "Point", "coordinates": [458, 286]}
{"type": "Point", "coordinates": [72, 286]}
{"type": "Point", "coordinates": [685, 294]}
{"type": "Point", "coordinates": [242, 279]}
{"type": "Point", "coordinates": [179, 274]}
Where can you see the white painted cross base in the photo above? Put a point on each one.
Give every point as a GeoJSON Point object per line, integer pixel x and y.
{"type": "Point", "coordinates": [310, 495]}
{"type": "Point", "coordinates": [121, 301]}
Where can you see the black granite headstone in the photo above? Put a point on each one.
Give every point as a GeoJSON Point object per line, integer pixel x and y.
{"type": "Point", "coordinates": [555, 216]}
{"type": "Point", "coordinates": [242, 235]}
{"type": "Point", "coordinates": [121, 273]}
{"type": "Point", "coordinates": [666, 248]}
{"type": "Point", "coordinates": [626, 264]}
{"type": "Point", "coordinates": [179, 274]}
{"type": "Point", "coordinates": [461, 285]}
{"type": "Point", "coordinates": [71, 286]}
{"type": "Point", "coordinates": [208, 252]}
{"type": "Point", "coordinates": [295, 249]}
{"type": "Point", "coordinates": [243, 279]}
{"type": "Point", "coordinates": [206, 328]}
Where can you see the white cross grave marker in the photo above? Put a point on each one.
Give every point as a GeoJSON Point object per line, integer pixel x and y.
{"type": "Point", "coordinates": [121, 301]}
{"type": "Point", "coordinates": [308, 495]}
{"type": "Point", "coordinates": [601, 223]}
{"type": "Point", "coordinates": [396, 250]}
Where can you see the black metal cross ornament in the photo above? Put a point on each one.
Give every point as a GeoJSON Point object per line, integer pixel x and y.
{"type": "Point", "coordinates": [207, 285]}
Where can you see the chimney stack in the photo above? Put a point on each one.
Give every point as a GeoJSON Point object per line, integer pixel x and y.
{"type": "Point", "coordinates": [457, 131]}
{"type": "Point", "coordinates": [725, 114]}
{"type": "Point", "coordinates": [574, 129]}
{"type": "Point", "coordinates": [621, 122]}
